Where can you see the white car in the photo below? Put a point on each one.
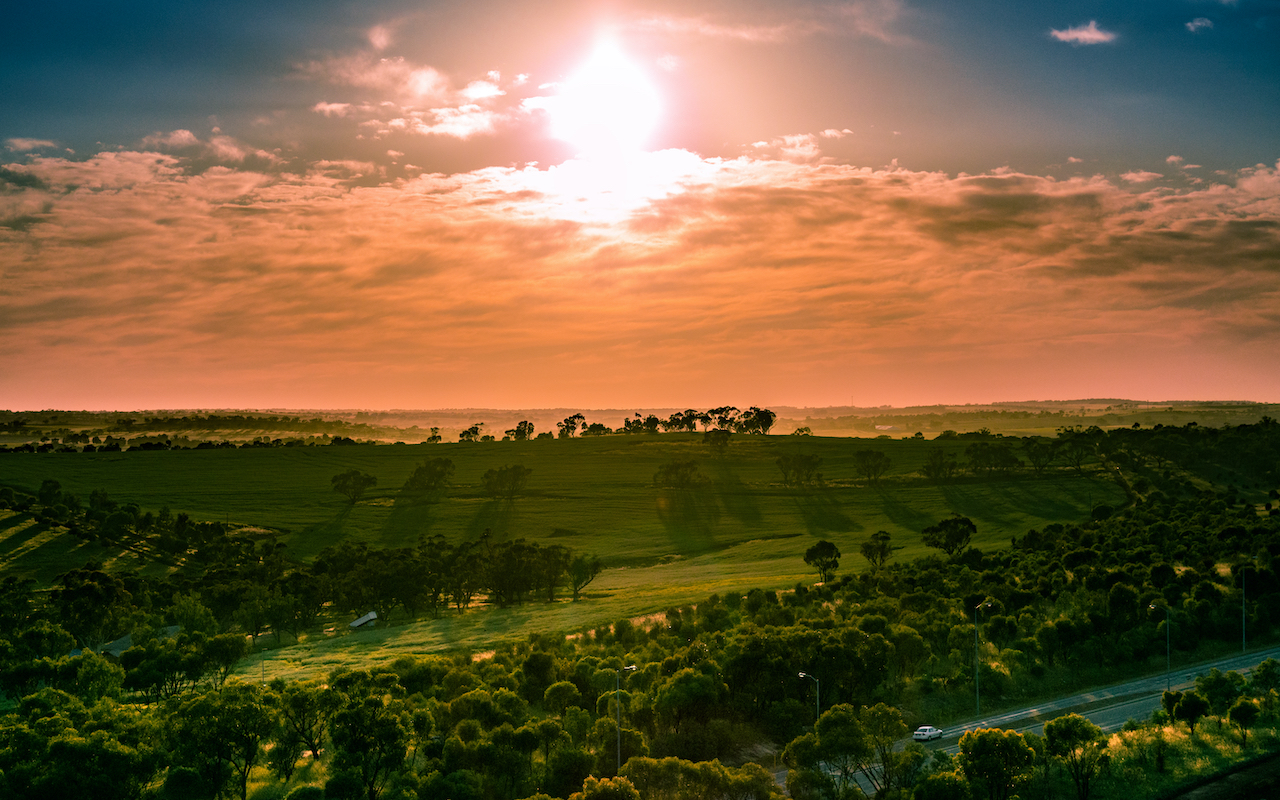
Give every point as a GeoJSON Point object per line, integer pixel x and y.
{"type": "Point", "coordinates": [926, 733]}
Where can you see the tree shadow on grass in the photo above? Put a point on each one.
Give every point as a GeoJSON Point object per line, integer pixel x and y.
{"type": "Point", "coordinates": [821, 512]}
{"type": "Point", "coordinates": [315, 538]}
{"type": "Point", "coordinates": [408, 522]}
{"type": "Point", "coordinates": [901, 514]}
{"type": "Point", "coordinates": [690, 517]}
{"type": "Point", "coordinates": [494, 516]}
{"type": "Point", "coordinates": [738, 501]}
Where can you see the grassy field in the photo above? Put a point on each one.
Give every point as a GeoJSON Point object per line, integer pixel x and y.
{"type": "Point", "coordinates": [742, 528]}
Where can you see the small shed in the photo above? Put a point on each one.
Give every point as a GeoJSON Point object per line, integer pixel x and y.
{"type": "Point", "coordinates": [366, 620]}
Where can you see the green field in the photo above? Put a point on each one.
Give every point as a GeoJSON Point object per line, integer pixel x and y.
{"type": "Point", "coordinates": [662, 547]}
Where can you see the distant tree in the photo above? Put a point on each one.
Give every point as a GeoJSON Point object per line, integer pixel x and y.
{"type": "Point", "coordinates": [522, 432]}
{"type": "Point", "coordinates": [940, 466]}
{"type": "Point", "coordinates": [871, 464]}
{"type": "Point", "coordinates": [505, 482]}
{"type": "Point", "coordinates": [568, 427]}
{"type": "Point", "coordinates": [429, 477]}
{"type": "Point", "coordinates": [1040, 454]}
{"type": "Point", "coordinates": [1081, 747]}
{"type": "Point", "coordinates": [755, 420]}
{"type": "Point", "coordinates": [803, 430]}
{"type": "Point", "coordinates": [724, 417]}
{"type": "Point", "coordinates": [472, 434]}
{"type": "Point", "coordinates": [951, 535]}
{"type": "Point", "coordinates": [352, 484]}
{"type": "Point", "coordinates": [717, 440]}
{"type": "Point", "coordinates": [800, 470]}
{"type": "Point", "coordinates": [678, 475]}
{"type": "Point", "coordinates": [877, 549]}
{"type": "Point", "coordinates": [596, 429]}
{"type": "Point", "coordinates": [824, 557]}
{"type": "Point", "coordinates": [435, 437]}
{"type": "Point", "coordinates": [582, 571]}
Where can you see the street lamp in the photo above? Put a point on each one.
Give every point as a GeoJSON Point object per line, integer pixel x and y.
{"type": "Point", "coordinates": [977, 666]}
{"type": "Point", "coordinates": [617, 707]}
{"type": "Point", "coordinates": [817, 697]}
{"type": "Point", "coordinates": [1167, 648]}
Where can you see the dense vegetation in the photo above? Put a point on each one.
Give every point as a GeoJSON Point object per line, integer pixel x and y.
{"type": "Point", "coordinates": [697, 688]}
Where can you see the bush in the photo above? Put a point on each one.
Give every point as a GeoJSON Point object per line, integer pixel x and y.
{"type": "Point", "coordinates": [306, 793]}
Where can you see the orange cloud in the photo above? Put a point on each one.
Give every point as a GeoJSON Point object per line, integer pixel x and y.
{"type": "Point", "coordinates": [132, 273]}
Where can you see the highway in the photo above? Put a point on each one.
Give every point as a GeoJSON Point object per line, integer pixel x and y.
{"type": "Point", "coordinates": [1109, 707]}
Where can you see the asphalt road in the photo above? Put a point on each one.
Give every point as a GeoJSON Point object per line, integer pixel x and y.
{"type": "Point", "coordinates": [1109, 708]}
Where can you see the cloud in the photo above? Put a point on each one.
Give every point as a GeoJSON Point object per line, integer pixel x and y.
{"type": "Point", "coordinates": [380, 37]}
{"type": "Point", "coordinates": [833, 133]}
{"type": "Point", "coordinates": [1074, 160]}
{"type": "Point", "coordinates": [219, 149]}
{"type": "Point", "coordinates": [1140, 176]}
{"type": "Point", "coordinates": [19, 145]}
{"type": "Point", "coordinates": [1199, 23]}
{"type": "Point", "coordinates": [1084, 34]}
{"type": "Point", "coordinates": [871, 18]}
{"type": "Point", "coordinates": [509, 286]}
{"type": "Point", "coordinates": [1173, 160]}
{"type": "Point", "coordinates": [332, 109]}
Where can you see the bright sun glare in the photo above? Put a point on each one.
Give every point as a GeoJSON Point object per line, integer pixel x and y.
{"type": "Point", "coordinates": [608, 107]}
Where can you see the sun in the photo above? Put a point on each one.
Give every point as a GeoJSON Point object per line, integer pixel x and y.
{"type": "Point", "coordinates": [608, 107]}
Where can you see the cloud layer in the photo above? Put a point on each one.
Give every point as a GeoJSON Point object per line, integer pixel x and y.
{"type": "Point", "coordinates": [196, 272]}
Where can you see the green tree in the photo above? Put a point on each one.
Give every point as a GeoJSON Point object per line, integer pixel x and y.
{"type": "Point", "coordinates": [522, 432]}
{"type": "Point", "coordinates": [371, 728]}
{"type": "Point", "coordinates": [825, 558]}
{"type": "Point", "coordinates": [219, 735]}
{"type": "Point", "coordinates": [352, 484]}
{"type": "Point", "coordinates": [1243, 714]}
{"type": "Point", "coordinates": [951, 535]}
{"type": "Point", "coordinates": [883, 726]}
{"type": "Point", "coordinates": [877, 549]}
{"type": "Point", "coordinates": [505, 482]}
{"type": "Point", "coordinates": [994, 761]}
{"type": "Point", "coordinates": [1081, 747]}
{"type": "Point", "coordinates": [430, 477]}
{"type": "Point", "coordinates": [871, 464]}
{"type": "Point", "coordinates": [606, 789]}
{"type": "Point", "coordinates": [838, 747]}
{"type": "Point", "coordinates": [1191, 708]}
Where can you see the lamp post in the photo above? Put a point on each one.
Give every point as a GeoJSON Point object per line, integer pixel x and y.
{"type": "Point", "coordinates": [1167, 648]}
{"type": "Point", "coordinates": [817, 697]}
{"type": "Point", "coordinates": [977, 665]}
{"type": "Point", "coordinates": [617, 707]}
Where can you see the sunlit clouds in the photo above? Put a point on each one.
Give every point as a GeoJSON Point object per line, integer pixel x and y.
{"type": "Point", "coordinates": [504, 286]}
{"type": "Point", "coordinates": [1084, 34]}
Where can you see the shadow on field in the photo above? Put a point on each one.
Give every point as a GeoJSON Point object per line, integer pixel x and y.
{"type": "Point", "coordinates": [738, 500]}
{"type": "Point", "coordinates": [494, 516]}
{"type": "Point", "coordinates": [821, 512]}
{"type": "Point", "coordinates": [1042, 498]}
{"type": "Point", "coordinates": [407, 522]}
{"type": "Point", "coordinates": [899, 513]}
{"type": "Point", "coordinates": [689, 515]}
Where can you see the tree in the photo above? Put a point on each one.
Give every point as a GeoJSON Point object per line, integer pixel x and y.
{"type": "Point", "coordinates": [717, 440]}
{"type": "Point", "coordinates": [568, 427]}
{"type": "Point", "coordinates": [824, 557]}
{"type": "Point", "coordinates": [506, 482]}
{"type": "Point", "coordinates": [522, 432]}
{"type": "Point", "coordinates": [940, 466]}
{"type": "Point", "coordinates": [1040, 454]}
{"type": "Point", "coordinates": [876, 549]}
{"type": "Point", "coordinates": [883, 726]}
{"type": "Point", "coordinates": [472, 434]}
{"type": "Point", "coordinates": [582, 571]}
{"type": "Point", "coordinates": [994, 761]}
{"type": "Point", "coordinates": [1221, 689]}
{"type": "Point", "coordinates": [370, 730]}
{"type": "Point", "coordinates": [871, 464]}
{"type": "Point", "coordinates": [1243, 715]}
{"type": "Point", "coordinates": [353, 484]}
{"type": "Point", "coordinates": [430, 477]}
{"type": "Point", "coordinates": [800, 470]}
{"type": "Point", "coordinates": [1080, 745]}
{"type": "Point", "coordinates": [1190, 708]}
{"type": "Point", "coordinates": [951, 535]}
{"type": "Point", "coordinates": [838, 746]}
{"type": "Point", "coordinates": [219, 735]}
{"type": "Point", "coordinates": [606, 789]}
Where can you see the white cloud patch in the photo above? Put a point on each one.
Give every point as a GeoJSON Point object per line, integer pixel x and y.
{"type": "Point", "coordinates": [833, 133]}
{"type": "Point", "coordinates": [380, 37]}
{"type": "Point", "coordinates": [21, 145]}
{"type": "Point", "coordinates": [1074, 160]}
{"type": "Point", "coordinates": [1199, 23]}
{"type": "Point", "coordinates": [1084, 34]}
{"type": "Point", "coordinates": [870, 18]}
{"type": "Point", "coordinates": [1173, 160]}
{"type": "Point", "coordinates": [1140, 176]}
{"type": "Point", "coordinates": [332, 109]}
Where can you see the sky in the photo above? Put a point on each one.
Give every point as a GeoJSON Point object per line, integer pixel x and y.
{"type": "Point", "coordinates": [651, 204]}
